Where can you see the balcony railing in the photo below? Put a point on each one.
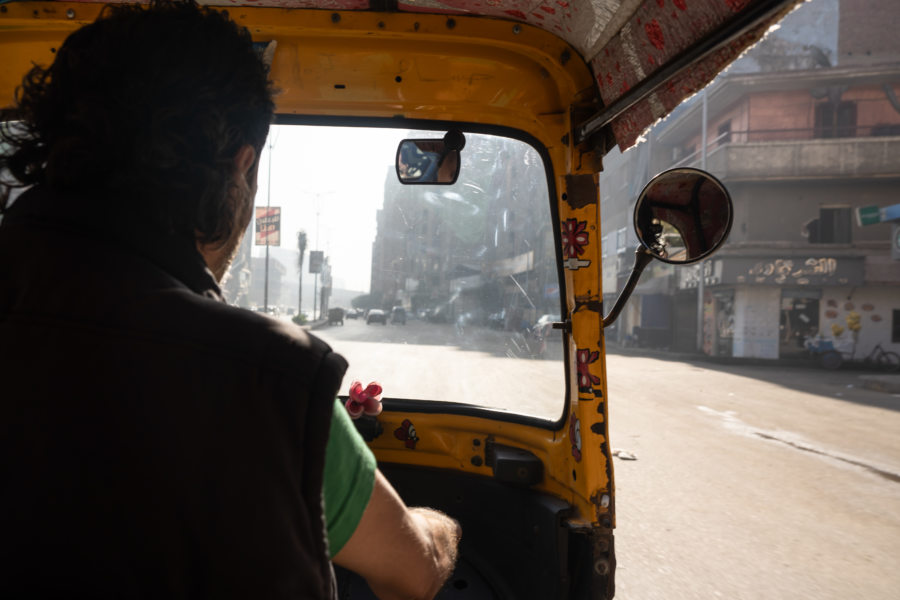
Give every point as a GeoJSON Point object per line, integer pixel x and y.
{"type": "Point", "coordinates": [802, 152]}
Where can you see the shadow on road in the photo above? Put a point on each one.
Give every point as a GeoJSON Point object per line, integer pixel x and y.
{"type": "Point", "coordinates": [845, 384]}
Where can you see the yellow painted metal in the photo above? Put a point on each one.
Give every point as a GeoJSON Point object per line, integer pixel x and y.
{"type": "Point", "coordinates": [418, 66]}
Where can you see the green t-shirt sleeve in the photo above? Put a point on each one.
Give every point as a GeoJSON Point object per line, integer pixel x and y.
{"type": "Point", "coordinates": [349, 478]}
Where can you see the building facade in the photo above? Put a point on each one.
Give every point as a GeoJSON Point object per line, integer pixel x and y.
{"type": "Point", "coordinates": [805, 134]}
{"type": "Point", "coordinates": [462, 252]}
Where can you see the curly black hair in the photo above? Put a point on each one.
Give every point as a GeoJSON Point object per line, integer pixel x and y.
{"type": "Point", "coordinates": [143, 111]}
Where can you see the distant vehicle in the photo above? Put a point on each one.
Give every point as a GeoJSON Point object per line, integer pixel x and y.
{"type": "Point", "coordinates": [398, 315]}
{"type": "Point", "coordinates": [376, 315]}
{"type": "Point", "coordinates": [438, 314]}
{"type": "Point", "coordinates": [353, 313]}
{"type": "Point", "coordinates": [336, 316]}
{"type": "Point", "coordinates": [497, 320]}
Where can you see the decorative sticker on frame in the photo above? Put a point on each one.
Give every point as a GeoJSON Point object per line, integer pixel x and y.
{"type": "Point", "coordinates": [574, 239]}
{"type": "Point", "coordinates": [406, 433]}
{"type": "Point", "coordinates": [587, 380]}
{"type": "Point", "coordinates": [575, 436]}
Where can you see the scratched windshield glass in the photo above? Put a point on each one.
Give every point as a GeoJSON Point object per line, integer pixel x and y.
{"type": "Point", "coordinates": [437, 292]}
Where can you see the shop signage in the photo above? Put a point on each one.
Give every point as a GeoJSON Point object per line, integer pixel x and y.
{"type": "Point", "coordinates": [811, 270]}
{"type": "Point", "coordinates": [868, 215]}
{"type": "Point", "coordinates": [689, 276]}
{"type": "Point", "coordinates": [316, 258]}
{"type": "Point", "coordinates": [268, 226]}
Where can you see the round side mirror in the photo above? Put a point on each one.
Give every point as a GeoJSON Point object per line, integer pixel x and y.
{"type": "Point", "coordinates": [683, 215]}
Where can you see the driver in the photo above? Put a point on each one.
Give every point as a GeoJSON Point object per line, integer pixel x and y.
{"type": "Point", "coordinates": [157, 442]}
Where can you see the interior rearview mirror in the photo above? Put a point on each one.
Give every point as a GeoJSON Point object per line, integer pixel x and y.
{"type": "Point", "coordinates": [430, 161]}
{"type": "Point", "coordinates": [681, 216]}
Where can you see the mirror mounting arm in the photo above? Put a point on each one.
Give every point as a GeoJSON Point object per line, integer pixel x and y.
{"type": "Point", "coordinates": [642, 258]}
{"type": "Point", "coordinates": [564, 325]}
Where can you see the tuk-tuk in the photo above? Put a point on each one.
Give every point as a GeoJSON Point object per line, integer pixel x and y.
{"type": "Point", "coordinates": [335, 316]}
{"type": "Point", "coordinates": [477, 130]}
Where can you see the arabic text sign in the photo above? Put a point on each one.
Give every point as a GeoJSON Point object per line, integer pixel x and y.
{"type": "Point", "coordinates": [268, 226]}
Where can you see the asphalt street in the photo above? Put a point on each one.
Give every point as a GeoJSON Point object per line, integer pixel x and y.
{"type": "Point", "coordinates": [753, 482]}
{"type": "Point", "coordinates": [747, 481]}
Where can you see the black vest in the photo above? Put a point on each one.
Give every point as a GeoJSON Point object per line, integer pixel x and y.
{"type": "Point", "coordinates": [154, 441]}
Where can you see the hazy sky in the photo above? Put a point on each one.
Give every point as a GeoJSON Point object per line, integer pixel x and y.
{"type": "Point", "coordinates": [339, 174]}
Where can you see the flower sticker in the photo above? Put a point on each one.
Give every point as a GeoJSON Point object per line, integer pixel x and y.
{"type": "Point", "coordinates": [366, 400]}
{"type": "Point", "coordinates": [574, 238]}
{"type": "Point", "coordinates": [586, 380]}
{"type": "Point", "coordinates": [575, 436]}
{"type": "Point", "coordinates": [406, 433]}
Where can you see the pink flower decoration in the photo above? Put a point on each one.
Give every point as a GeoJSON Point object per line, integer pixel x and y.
{"type": "Point", "coordinates": [364, 400]}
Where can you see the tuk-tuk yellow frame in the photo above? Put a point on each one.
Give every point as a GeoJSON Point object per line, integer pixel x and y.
{"type": "Point", "coordinates": [385, 66]}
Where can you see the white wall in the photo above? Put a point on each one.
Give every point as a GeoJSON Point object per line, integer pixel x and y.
{"type": "Point", "coordinates": [756, 319]}
{"type": "Point", "coordinates": [875, 306]}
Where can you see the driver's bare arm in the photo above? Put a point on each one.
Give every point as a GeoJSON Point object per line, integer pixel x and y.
{"type": "Point", "coordinates": [402, 552]}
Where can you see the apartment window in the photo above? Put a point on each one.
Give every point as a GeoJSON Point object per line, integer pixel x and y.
{"type": "Point", "coordinates": [724, 133]}
{"type": "Point", "coordinates": [620, 240]}
{"type": "Point", "coordinates": [832, 227]}
{"type": "Point", "coordinates": [883, 129]}
{"type": "Point", "coordinates": [835, 120]}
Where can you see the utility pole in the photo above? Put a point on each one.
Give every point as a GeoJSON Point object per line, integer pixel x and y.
{"type": "Point", "coordinates": [316, 285]}
{"type": "Point", "coordinates": [268, 205]}
{"type": "Point", "coordinates": [701, 268]}
{"type": "Point", "coordinates": [301, 246]}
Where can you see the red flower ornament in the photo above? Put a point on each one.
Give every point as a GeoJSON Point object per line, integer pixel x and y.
{"type": "Point", "coordinates": [574, 237]}
{"type": "Point", "coordinates": [583, 359]}
{"type": "Point", "coordinates": [366, 400]}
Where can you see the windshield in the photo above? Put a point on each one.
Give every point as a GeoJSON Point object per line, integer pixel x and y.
{"type": "Point", "coordinates": [436, 292]}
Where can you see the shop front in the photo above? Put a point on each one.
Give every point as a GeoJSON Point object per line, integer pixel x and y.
{"type": "Point", "coordinates": [766, 306]}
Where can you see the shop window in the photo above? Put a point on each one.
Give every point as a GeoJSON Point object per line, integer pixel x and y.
{"type": "Point", "coordinates": [832, 227]}
{"type": "Point", "coordinates": [835, 120]}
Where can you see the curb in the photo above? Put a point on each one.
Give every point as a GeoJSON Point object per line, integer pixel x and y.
{"type": "Point", "coordinates": [882, 383]}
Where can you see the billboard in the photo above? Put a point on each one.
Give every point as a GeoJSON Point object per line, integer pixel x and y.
{"type": "Point", "coordinates": [316, 258]}
{"type": "Point", "coordinates": [268, 226]}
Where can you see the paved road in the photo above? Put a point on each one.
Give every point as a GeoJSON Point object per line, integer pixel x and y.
{"type": "Point", "coordinates": [438, 361]}
{"type": "Point", "coordinates": [750, 482]}
{"type": "Point", "coordinates": [753, 482]}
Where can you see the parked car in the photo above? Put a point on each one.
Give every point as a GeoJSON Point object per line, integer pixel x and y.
{"type": "Point", "coordinates": [398, 315]}
{"type": "Point", "coordinates": [376, 315]}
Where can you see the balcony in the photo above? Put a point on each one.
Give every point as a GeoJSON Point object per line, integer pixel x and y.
{"type": "Point", "coordinates": [799, 154]}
